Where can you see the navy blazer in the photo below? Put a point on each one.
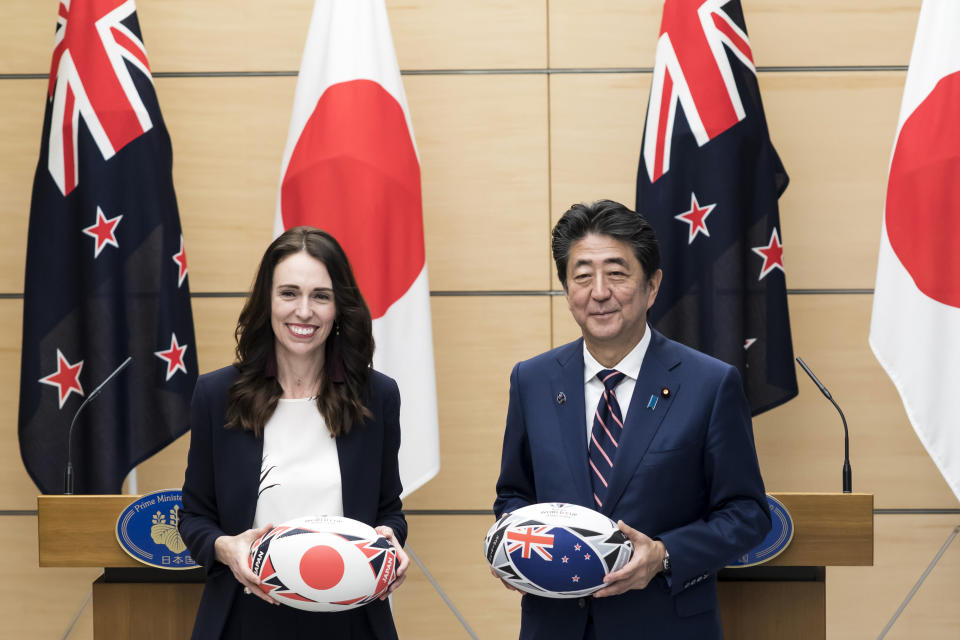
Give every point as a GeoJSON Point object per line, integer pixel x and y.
{"type": "Point", "coordinates": [685, 472]}
{"type": "Point", "coordinates": [222, 482]}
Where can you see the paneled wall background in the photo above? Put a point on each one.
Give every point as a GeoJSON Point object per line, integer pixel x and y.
{"type": "Point", "coordinates": [520, 108]}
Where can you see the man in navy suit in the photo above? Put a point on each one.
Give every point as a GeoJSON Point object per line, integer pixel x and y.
{"type": "Point", "coordinates": [651, 433]}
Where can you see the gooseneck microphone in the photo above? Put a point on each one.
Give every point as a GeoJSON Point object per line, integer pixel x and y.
{"type": "Point", "coordinates": [68, 475]}
{"type": "Point", "coordinates": [847, 474]}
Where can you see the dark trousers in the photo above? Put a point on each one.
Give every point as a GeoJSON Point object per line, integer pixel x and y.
{"type": "Point", "coordinates": [589, 633]}
{"type": "Point", "coordinates": [252, 618]}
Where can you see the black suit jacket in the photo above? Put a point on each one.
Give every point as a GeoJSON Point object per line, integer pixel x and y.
{"type": "Point", "coordinates": [222, 482]}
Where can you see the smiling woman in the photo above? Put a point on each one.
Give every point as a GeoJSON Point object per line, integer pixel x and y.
{"type": "Point", "coordinates": [303, 311]}
{"type": "Point", "coordinates": [300, 425]}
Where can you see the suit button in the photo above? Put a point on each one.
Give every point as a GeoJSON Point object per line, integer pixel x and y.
{"type": "Point", "coordinates": [582, 602]}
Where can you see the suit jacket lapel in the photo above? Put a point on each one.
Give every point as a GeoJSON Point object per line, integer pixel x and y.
{"type": "Point", "coordinates": [642, 421]}
{"type": "Point", "coordinates": [567, 379]}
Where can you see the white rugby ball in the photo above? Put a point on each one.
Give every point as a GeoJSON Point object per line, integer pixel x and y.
{"type": "Point", "coordinates": [556, 550]}
{"type": "Point", "coordinates": [323, 563]}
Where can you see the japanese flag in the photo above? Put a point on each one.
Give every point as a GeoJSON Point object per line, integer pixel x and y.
{"type": "Point", "coordinates": [350, 167]}
{"type": "Point", "coordinates": [915, 327]}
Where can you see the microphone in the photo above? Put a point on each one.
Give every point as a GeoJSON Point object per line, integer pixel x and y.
{"type": "Point", "coordinates": [68, 475]}
{"type": "Point", "coordinates": [847, 474]}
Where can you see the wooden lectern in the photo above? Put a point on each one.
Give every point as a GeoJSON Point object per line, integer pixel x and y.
{"type": "Point", "coordinates": [130, 600]}
{"type": "Point", "coordinates": [786, 597]}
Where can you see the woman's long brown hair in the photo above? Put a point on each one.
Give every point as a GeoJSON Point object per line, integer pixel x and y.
{"type": "Point", "coordinates": [348, 352]}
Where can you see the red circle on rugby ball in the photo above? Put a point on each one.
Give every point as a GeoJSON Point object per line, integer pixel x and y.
{"type": "Point", "coordinates": [321, 567]}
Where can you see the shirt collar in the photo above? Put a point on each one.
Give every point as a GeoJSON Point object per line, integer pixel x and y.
{"type": "Point", "coordinates": [629, 365]}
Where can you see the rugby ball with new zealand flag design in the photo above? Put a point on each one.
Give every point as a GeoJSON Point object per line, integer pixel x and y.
{"type": "Point", "coordinates": [556, 550]}
{"type": "Point", "coordinates": [323, 563]}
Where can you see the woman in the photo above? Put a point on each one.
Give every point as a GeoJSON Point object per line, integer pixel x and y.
{"type": "Point", "coordinates": [299, 425]}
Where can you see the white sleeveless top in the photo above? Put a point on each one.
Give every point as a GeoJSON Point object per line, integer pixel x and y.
{"type": "Point", "coordinates": [300, 470]}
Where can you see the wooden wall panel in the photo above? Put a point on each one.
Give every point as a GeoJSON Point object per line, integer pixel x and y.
{"type": "Point", "coordinates": [483, 146]}
{"type": "Point", "coordinates": [17, 491]}
{"type": "Point", "coordinates": [596, 128]}
{"type": "Point", "coordinates": [246, 35]}
{"type": "Point", "coordinates": [800, 443]}
{"type": "Point", "coordinates": [179, 35]}
{"type": "Point", "coordinates": [833, 131]}
{"type": "Point", "coordinates": [23, 102]}
{"type": "Point", "coordinates": [483, 152]}
{"type": "Point", "coordinates": [35, 602]}
{"type": "Point", "coordinates": [477, 340]}
{"type": "Point", "coordinates": [451, 548]}
{"type": "Point", "coordinates": [860, 600]}
{"type": "Point", "coordinates": [228, 136]}
{"type": "Point", "coordinates": [467, 34]}
{"type": "Point", "coordinates": [623, 33]}
{"type": "Point", "coordinates": [26, 36]}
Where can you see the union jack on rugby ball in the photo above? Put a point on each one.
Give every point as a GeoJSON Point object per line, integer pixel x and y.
{"type": "Point", "coordinates": [556, 550]}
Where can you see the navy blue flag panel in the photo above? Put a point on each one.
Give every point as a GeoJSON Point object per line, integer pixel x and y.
{"type": "Point", "coordinates": [106, 271]}
{"type": "Point", "coordinates": [708, 181]}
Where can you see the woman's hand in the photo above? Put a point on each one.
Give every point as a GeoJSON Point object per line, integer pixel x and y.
{"type": "Point", "coordinates": [403, 560]}
{"type": "Point", "coordinates": [234, 551]}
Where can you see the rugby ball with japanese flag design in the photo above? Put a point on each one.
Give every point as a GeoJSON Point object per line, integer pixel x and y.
{"type": "Point", "coordinates": [556, 550]}
{"type": "Point", "coordinates": [323, 563]}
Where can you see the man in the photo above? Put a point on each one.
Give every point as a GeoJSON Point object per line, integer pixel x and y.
{"type": "Point", "coordinates": [680, 476]}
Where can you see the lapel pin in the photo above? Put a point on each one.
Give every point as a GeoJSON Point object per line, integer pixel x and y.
{"type": "Point", "coordinates": [561, 398]}
{"type": "Point", "coordinates": [652, 403]}
{"type": "Point", "coordinates": [665, 392]}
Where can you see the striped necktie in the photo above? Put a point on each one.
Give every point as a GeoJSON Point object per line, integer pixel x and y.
{"type": "Point", "coordinates": [605, 435]}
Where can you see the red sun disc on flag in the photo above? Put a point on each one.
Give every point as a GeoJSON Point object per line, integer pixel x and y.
{"type": "Point", "coordinates": [321, 567]}
{"type": "Point", "coordinates": [354, 173]}
{"type": "Point", "coordinates": [923, 195]}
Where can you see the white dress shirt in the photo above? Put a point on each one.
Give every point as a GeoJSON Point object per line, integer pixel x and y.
{"type": "Point", "coordinates": [300, 473]}
{"type": "Point", "coordinates": [593, 388]}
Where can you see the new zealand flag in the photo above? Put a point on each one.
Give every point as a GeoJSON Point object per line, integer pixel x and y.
{"type": "Point", "coordinates": [554, 559]}
{"type": "Point", "coordinates": [708, 182]}
{"type": "Point", "coordinates": [106, 272]}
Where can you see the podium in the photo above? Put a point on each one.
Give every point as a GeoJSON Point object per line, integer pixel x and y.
{"type": "Point", "coordinates": [130, 600]}
{"type": "Point", "coordinates": [785, 598]}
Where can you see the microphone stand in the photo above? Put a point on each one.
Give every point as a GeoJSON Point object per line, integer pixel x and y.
{"type": "Point", "coordinates": [68, 474]}
{"type": "Point", "coordinates": [847, 474]}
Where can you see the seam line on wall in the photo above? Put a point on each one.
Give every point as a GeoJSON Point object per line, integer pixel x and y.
{"type": "Point", "coordinates": [468, 72]}
{"type": "Point", "coordinates": [490, 293]}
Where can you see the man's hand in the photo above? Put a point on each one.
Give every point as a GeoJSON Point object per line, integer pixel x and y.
{"type": "Point", "coordinates": [403, 560]}
{"type": "Point", "coordinates": [234, 551]}
{"type": "Point", "coordinates": [502, 581]}
{"type": "Point", "coordinates": [644, 564]}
